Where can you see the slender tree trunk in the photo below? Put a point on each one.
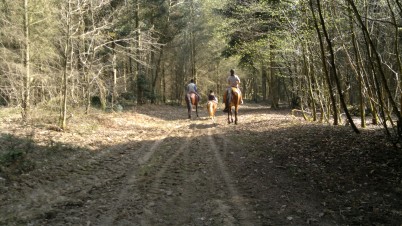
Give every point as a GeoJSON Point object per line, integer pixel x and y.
{"type": "Point", "coordinates": [274, 84]}
{"type": "Point", "coordinates": [255, 90]}
{"type": "Point", "coordinates": [318, 89]}
{"type": "Point", "coordinates": [125, 77]}
{"type": "Point", "coordinates": [324, 65]}
{"type": "Point", "coordinates": [333, 70]}
{"type": "Point", "coordinates": [156, 76]}
{"type": "Point", "coordinates": [87, 74]}
{"type": "Point", "coordinates": [263, 82]}
{"type": "Point", "coordinates": [63, 112]}
{"type": "Point", "coordinates": [163, 85]}
{"type": "Point", "coordinates": [27, 80]}
{"type": "Point", "coordinates": [192, 41]}
{"type": "Point", "coordinates": [358, 71]}
{"type": "Point", "coordinates": [396, 47]}
{"type": "Point", "coordinates": [114, 78]}
{"type": "Point", "coordinates": [309, 81]}
{"type": "Point", "coordinates": [139, 72]}
{"type": "Point", "coordinates": [378, 61]}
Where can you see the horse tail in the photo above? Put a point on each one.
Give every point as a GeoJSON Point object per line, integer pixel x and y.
{"type": "Point", "coordinates": [229, 96]}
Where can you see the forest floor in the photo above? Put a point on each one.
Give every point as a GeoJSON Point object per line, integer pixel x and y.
{"type": "Point", "coordinates": [151, 166]}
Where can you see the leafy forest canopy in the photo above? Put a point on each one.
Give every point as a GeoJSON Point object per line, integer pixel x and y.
{"type": "Point", "coordinates": [327, 58]}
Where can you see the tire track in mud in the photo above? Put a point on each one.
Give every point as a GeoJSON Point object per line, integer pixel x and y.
{"type": "Point", "coordinates": [164, 185]}
{"type": "Point", "coordinates": [54, 199]}
{"type": "Point", "coordinates": [109, 179]}
{"type": "Point", "coordinates": [129, 191]}
{"type": "Point", "coordinates": [191, 185]}
{"type": "Point", "coordinates": [126, 207]}
{"type": "Point", "coordinates": [178, 194]}
{"type": "Point", "coordinates": [241, 210]}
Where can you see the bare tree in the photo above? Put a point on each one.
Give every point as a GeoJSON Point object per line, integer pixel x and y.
{"type": "Point", "coordinates": [333, 69]}
{"type": "Point", "coordinates": [378, 63]}
{"type": "Point", "coordinates": [324, 65]}
{"type": "Point", "coordinates": [27, 79]}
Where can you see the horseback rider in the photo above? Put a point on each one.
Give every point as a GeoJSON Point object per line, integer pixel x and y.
{"type": "Point", "coordinates": [212, 97]}
{"type": "Point", "coordinates": [233, 81]}
{"type": "Point", "coordinates": [192, 88]}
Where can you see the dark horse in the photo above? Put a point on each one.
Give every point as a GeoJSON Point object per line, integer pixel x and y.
{"type": "Point", "coordinates": [233, 100]}
{"type": "Point", "coordinates": [192, 99]}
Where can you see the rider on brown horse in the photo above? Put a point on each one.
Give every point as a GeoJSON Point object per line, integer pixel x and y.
{"type": "Point", "coordinates": [192, 98]}
{"type": "Point", "coordinates": [192, 88]}
{"type": "Point", "coordinates": [233, 81]}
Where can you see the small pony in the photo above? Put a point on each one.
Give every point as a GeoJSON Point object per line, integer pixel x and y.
{"type": "Point", "coordinates": [211, 107]}
{"type": "Point", "coordinates": [192, 99]}
{"type": "Point", "coordinates": [233, 100]}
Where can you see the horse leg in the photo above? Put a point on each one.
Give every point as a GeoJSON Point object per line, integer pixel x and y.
{"type": "Point", "coordinates": [196, 110]}
{"type": "Point", "coordinates": [188, 103]}
{"type": "Point", "coordinates": [210, 108]}
{"type": "Point", "coordinates": [236, 108]}
{"type": "Point", "coordinates": [213, 110]}
{"type": "Point", "coordinates": [229, 113]}
{"type": "Point", "coordinates": [189, 111]}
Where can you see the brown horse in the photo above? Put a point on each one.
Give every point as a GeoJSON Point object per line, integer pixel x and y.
{"type": "Point", "coordinates": [233, 100]}
{"type": "Point", "coordinates": [192, 99]}
{"type": "Point", "coordinates": [211, 107]}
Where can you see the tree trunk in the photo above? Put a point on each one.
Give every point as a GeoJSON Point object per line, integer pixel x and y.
{"type": "Point", "coordinates": [114, 93]}
{"type": "Point", "coordinates": [192, 42]}
{"type": "Point", "coordinates": [333, 70]}
{"type": "Point", "coordinates": [309, 81]}
{"type": "Point", "coordinates": [264, 82]}
{"type": "Point", "coordinates": [396, 49]}
{"type": "Point", "coordinates": [139, 72]}
{"type": "Point", "coordinates": [27, 80]}
{"type": "Point", "coordinates": [274, 85]}
{"type": "Point", "coordinates": [358, 70]}
{"type": "Point", "coordinates": [163, 85]}
{"type": "Point", "coordinates": [324, 65]}
{"type": "Point", "coordinates": [63, 112]}
{"type": "Point", "coordinates": [156, 75]}
{"type": "Point", "coordinates": [378, 61]}
{"type": "Point", "coordinates": [255, 90]}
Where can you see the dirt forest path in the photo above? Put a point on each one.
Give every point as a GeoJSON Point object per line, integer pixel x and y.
{"type": "Point", "coordinates": [154, 167]}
